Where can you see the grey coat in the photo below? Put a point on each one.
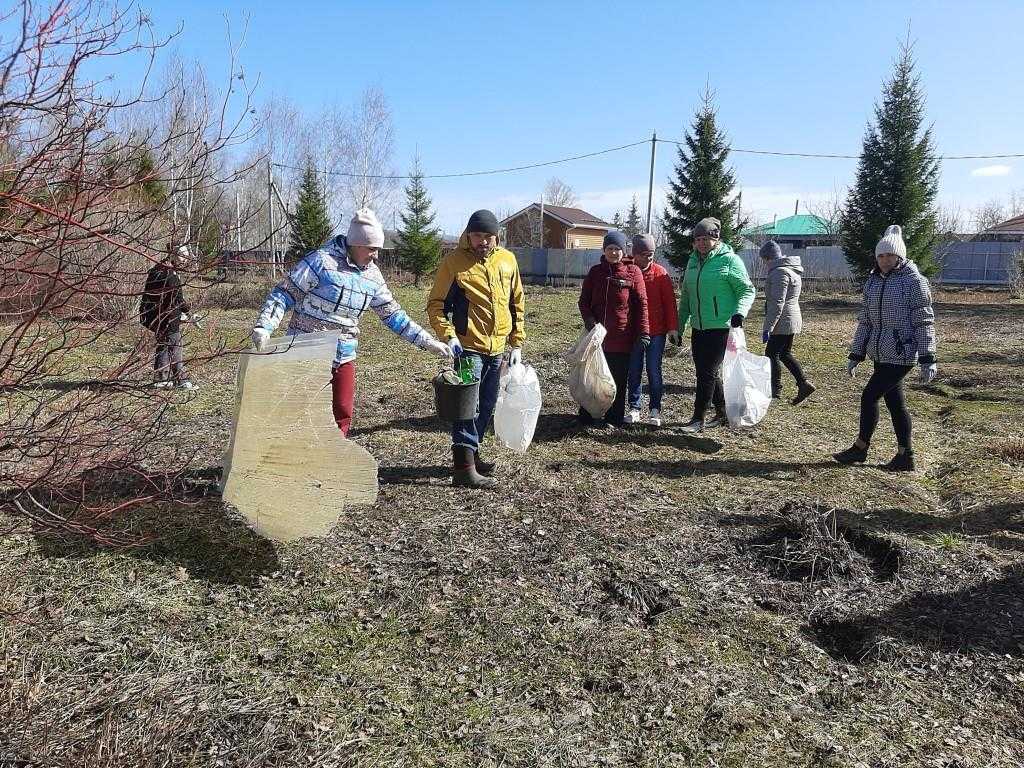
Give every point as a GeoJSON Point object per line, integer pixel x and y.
{"type": "Point", "coordinates": [782, 296]}
{"type": "Point", "coordinates": [896, 324]}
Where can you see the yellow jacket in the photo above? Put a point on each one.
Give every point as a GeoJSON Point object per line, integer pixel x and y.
{"type": "Point", "coordinates": [480, 301]}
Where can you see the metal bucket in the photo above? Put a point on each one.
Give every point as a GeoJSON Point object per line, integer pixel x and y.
{"type": "Point", "coordinates": [455, 400]}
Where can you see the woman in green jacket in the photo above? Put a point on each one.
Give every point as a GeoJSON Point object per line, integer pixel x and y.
{"type": "Point", "coordinates": [716, 295]}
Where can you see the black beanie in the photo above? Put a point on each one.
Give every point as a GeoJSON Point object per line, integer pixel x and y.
{"type": "Point", "coordinates": [483, 221]}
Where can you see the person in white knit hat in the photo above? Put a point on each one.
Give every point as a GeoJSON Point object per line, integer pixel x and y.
{"type": "Point", "coordinates": [896, 329]}
{"type": "Point", "coordinates": [328, 290]}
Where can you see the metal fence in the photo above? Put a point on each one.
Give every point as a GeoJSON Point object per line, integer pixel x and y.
{"type": "Point", "coordinates": [961, 263]}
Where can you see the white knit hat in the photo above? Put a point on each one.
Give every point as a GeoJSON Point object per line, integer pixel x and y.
{"type": "Point", "coordinates": [365, 229]}
{"type": "Point", "coordinates": [892, 242]}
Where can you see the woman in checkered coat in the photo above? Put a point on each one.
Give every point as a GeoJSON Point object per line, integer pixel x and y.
{"type": "Point", "coordinates": [896, 329]}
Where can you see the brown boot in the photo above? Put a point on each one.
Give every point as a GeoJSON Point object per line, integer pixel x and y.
{"type": "Point", "coordinates": [465, 474]}
{"type": "Point", "coordinates": [485, 468]}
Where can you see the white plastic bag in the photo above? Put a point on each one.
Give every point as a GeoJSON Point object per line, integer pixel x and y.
{"type": "Point", "coordinates": [518, 406]}
{"type": "Point", "coordinates": [590, 380]}
{"type": "Point", "coordinates": [748, 382]}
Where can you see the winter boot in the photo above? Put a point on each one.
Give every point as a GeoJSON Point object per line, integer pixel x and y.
{"type": "Point", "coordinates": [485, 468]}
{"type": "Point", "coordinates": [465, 474]}
{"type": "Point", "coordinates": [804, 390]}
{"type": "Point", "coordinates": [718, 420]}
{"type": "Point", "coordinates": [693, 426]}
{"type": "Point", "coordinates": [852, 455]}
{"type": "Point", "coordinates": [901, 462]}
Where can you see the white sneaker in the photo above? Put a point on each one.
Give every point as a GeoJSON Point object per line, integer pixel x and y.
{"type": "Point", "coordinates": [186, 384]}
{"type": "Point", "coordinates": [654, 418]}
{"type": "Point", "coordinates": [633, 416]}
{"type": "Point", "coordinates": [163, 384]}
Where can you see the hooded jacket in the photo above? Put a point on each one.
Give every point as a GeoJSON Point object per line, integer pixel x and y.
{"type": "Point", "coordinates": [782, 287]}
{"type": "Point", "coordinates": [326, 291]}
{"type": "Point", "coordinates": [163, 300]}
{"type": "Point", "coordinates": [714, 289]}
{"type": "Point", "coordinates": [480, 301]}
{"type": "Point", "coordinates": [896, 324]}
{"type": "Point", "coordinates": [615, 295]}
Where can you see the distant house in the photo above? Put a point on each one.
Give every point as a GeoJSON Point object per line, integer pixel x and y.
{"type": "Point", "coordinates": [799, 231]}
{"type": "Point", "coordinates": [1009, 231]}
{"type": "Point", "coordinates": [563, 228]}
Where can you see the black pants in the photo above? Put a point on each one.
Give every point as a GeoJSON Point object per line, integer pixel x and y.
{"type": "Point", "coordinates": [886, 383]}
{"type": "Point", "coordinates": [708, 352]}
{"type": "Point", "coordinates": [780, 349]}
{"type": "Point", "coordinates": [618, 362]}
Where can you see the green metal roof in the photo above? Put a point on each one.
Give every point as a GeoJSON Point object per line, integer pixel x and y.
{"type": "Point", "coordinates": [801, 224]}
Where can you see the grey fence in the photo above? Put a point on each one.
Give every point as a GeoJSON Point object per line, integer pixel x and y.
{"type": "Point", "coordinates": [962, 263]}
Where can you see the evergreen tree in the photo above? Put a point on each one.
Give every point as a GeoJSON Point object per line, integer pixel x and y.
{"type": "Point", "coordinates": [634, 224]}
{"type": "Point", "coordinates": [311, 225]}
{"type": "Point", "coordinates": [897, 176]}
{"type": "Point", "coordinates": [702, 186]}
{"type": "Point", "coordinates": [419, 242]}
{"type": "Point", "coordinates": [617, 220]}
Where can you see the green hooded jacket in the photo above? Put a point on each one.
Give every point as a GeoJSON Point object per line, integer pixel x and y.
{"type": "Point", "coordinates": [714, 289]}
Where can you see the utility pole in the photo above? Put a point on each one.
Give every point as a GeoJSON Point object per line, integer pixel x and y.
{"type": "Point", "coordinates": [270, 219]}
{"type": "Point", "coordinates": [650, 180]}
{"type": "Point", "coordinates": [541, 219]}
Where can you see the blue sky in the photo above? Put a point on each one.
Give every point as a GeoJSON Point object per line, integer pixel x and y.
{"type": "Point", "coordinates": [476, 86]}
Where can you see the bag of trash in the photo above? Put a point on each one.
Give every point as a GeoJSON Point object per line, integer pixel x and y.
{"type": "Point", "coordinates": [518, 406]}
{"type": "Point", "coordinates": [590, 380]}
{"type": "Point", "coordinates": [748, 382]}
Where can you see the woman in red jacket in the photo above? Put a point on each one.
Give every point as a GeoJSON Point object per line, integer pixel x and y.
{"type": "Point", "coordinates": [614, 295]}
{"type": "Point", "coordinates": [661, 305]}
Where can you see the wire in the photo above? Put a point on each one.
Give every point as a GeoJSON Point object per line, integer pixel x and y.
{"type": "Point", "coordinates": [847, 157]}
{"type": "Point", "coordinates": [477, 173]}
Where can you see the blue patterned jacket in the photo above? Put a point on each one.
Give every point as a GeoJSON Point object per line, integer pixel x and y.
{"type": "Point", "coordinates": [327, 292]}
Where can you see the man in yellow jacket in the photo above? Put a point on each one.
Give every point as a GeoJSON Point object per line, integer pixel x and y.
{"type": "Point", "coordinates": [476, 306]}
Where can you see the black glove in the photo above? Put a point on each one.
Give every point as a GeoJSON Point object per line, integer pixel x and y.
{"type": "Point", "coordinates": [736, 321]}
{"type": "Point", "coordinates": [645, 340]}
{"type": "Point", "coordinates": [589, 324]}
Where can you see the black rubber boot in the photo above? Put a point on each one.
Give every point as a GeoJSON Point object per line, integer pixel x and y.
{"type": "Point", "coordinates": [485, 468]}
{"type": "Point", "coordinates": [465, 474]}
{"type": "Point", "coordinates": [804, 390]}
{"type": "Point", "coordinates": [852, 455]}
{"type": "Point", "coordinates": [693, 426]}
{"type": "Point", "coordinates": [901, 462]}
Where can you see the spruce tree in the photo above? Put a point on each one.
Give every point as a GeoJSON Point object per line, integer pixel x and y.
{"type": "Point", "coordinates": [897, 176]}
{"type": "Point", "coordinates": [311, 225]}
{"type": "Point", "coordinates": [617, 220]}
{"type": "Point", "coordinates": [634, 224]}
{"type": "Point", "coordinates": [702, 186]}
{"type": "Point", "coordinates": [419, 242]}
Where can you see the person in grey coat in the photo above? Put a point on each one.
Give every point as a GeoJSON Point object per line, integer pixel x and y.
{"type": "Point", "coordinates": [782, 319]}
{"type": "Point", "coordinates": [896, 329]}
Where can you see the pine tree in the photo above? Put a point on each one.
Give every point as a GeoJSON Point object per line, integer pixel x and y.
{"type": "Point", "coordinates": [897, 176]}
{"type": "Point", "coordinates": [617, 220]}
{"type": "Point", "coordinates": [311, 225]}
{"type": "Point", "coordinates": [634, 224]}
{"type": "Point", "coordinates": [419, 243]}
{"type": "Point", "coordinates": [702, 186]}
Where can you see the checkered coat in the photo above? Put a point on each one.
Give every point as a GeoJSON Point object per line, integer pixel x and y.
{"type": "Point", "coordinates": [896, 324]}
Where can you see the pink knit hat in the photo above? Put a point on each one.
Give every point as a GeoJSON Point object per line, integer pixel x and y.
{"type": "Point", "coordinates": [365, 229]}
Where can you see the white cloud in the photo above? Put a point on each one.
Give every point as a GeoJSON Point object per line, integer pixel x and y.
{"type": "Point", "coordinates": [992, 170]}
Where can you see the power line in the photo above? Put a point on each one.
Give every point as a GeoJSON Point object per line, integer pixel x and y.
{"type": "Point", "coordinates": [476, 173]}
{"type": "Point", "coordinates": [848, 157]}
{"type": "Point", "coordinates": [495, 171]}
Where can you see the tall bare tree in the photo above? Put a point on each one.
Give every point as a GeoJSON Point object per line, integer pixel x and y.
{"type": "Point", "coordinates": [557, 192]}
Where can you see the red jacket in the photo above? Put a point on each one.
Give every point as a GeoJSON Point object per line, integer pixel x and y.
{"type": "Point", "coordinates": [661, 300]}
{"type": "Point", "coordinates": [615, 296]}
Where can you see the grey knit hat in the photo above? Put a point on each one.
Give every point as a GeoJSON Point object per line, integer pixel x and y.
{"type": "Point", "coordinates": [892, 242]}
{"type": "Point", "coordinates": [771, 250]}
{"type": "Point", "coordinates": [614, 238]}
{"type": "Point", "coordinates": [643, 243]}
{"type": "Point", "coordinates": [710, 226]}
{"type": "Point", "coordinates": [365, 229]}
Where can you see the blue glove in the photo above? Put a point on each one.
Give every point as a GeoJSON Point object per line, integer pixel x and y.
{"type": "Point", "coordinates": [455, 347]}
{"type": "Point", "coordinates": [764, 336]}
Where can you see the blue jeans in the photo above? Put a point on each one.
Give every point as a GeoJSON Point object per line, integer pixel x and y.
{"type": "Point", "coordinates": [485, 367]}
{"type": "Point", "coordinates": [655, 385]}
